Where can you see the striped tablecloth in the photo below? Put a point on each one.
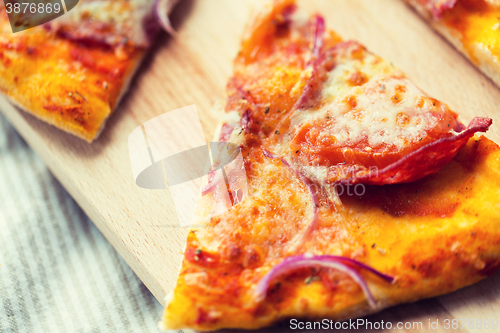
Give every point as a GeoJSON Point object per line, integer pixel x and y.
{"type": "Point", "coordinates": [57, 271]}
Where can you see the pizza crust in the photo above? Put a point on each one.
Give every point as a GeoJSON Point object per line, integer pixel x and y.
{"type": "Point", "coordinates": [487, 62]}
{"type": "Point", "coordinates": [28, 104]}
{"type": "Point", "coordinates": [124, 89]}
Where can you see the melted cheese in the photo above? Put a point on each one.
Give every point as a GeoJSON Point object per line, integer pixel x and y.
{"type": "Point", "coordinates": [382, 116]}
{"type": "Point", "coordinates": [369, 65]}
{"type": "Point", "coordinates": [388, 110]}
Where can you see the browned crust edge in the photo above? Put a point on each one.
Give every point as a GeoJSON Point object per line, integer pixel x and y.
{"type": "Point", "coordinates": [482, 57]}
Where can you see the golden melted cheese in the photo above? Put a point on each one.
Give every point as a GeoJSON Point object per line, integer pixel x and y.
{"type": "Point", "coordinates": [478, 25]}
{"type": "Point", "coordinates": [390, 111]}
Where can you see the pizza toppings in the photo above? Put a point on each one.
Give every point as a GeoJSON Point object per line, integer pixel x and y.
{"type": "Point", "coordinates": [387, 116]}
{"type": "Point", "coordinates": [301, 238]}
{"type": "Point", "coordinates": [439, 7]}
{"type": "Point", "coordinates": [370, 139]}
{"type": "Point", "coordinates": [114, 23]}
{"type": "Point", "coordinates": [368, 120]}
{"type": "Point", "coordinates": [312, 74]}
{"type": "Point", "coordinates": [424, 161]}
{"type": "Point", "coordinates": [472, 26]}
{"type": "Point", "coordinates": [342, 264]}
{"type": "Point", "coordinates": [110, 23]}
{"type": "Point", "coordinates": [345, 114]}
{"type": "Point", "coordinates": [258, 37]}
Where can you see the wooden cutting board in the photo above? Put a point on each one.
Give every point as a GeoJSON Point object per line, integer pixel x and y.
{"type": "Point", "coordinates": [193, 68]}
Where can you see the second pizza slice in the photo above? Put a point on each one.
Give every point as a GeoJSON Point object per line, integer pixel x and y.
{"type": "Point", "coordinates": [72, 72]}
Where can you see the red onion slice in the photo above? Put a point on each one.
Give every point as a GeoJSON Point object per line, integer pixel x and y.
{"type": "Point", "coordinates": [314, 63]}
{"type": "Point", "coordinates": [224, 136]}
{"type": "Point", "coordinates": [342, 264]}
{"type": "Point", "coordinates": [162, 9]}
{"type": "Point", "coordinates": [319, 38]}
{"type": "Point", "coordinates": [314, 198]}
{"type": "Point", "coordinates": [213, 181]}
{"type": "Point", "coordinates": [302, 178]}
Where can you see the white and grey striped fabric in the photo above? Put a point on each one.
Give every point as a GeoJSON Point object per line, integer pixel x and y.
{"type": "Point", "coordinates": [57, 272]}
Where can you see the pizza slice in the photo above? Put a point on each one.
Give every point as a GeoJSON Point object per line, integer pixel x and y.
{"type": "Point", "coordinates": [472, 26]}
{"type": "Point", "coordinates": [72, 72]}
{"type": "Point", "coordinates": [363, 191]}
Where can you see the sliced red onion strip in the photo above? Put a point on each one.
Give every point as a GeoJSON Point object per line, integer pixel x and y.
{"type": "Point", "coordinates": [314, 198]}
{"type": "Point", "coordinates": [162, 8]}
{"type": "Point", "coordinates": [225, 135]}
{"type": "Point", "coordinates": [353, 262]}
{"type": "Point", "coordinates": [325, 261]}
{"type": "Point", "coordinates": [319, 40]}
{"type": "Point", "coordinates": [318, 25]}
{"type": "Point", "coordinates": [213, 180]}
{"type": "Point", "coordinates": [306, 181]}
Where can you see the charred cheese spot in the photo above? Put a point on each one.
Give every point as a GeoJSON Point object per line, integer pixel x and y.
{"type": "Point", "coordinates": [402, 119]}
{"type": "Point", "coordinates": [350, 101]}
{"type": "Point", "coordinates": [357, 79]}
{"type": "Point", "coordinates": [398, 95]}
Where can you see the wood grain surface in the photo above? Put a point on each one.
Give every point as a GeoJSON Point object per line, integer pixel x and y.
{"type": "Point", "coordinates": [193, 68]}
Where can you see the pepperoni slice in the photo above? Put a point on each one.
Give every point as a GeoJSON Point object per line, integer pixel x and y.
{"type": "Point", "coordinates": [385, 131]}
{"type": "Point", "coordinates": [424, 161]}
